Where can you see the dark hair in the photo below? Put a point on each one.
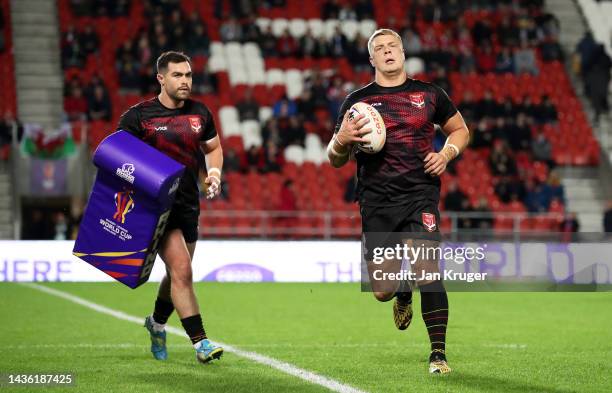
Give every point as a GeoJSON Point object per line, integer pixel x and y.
{"type": "Point", "coordinates": [170, 57]}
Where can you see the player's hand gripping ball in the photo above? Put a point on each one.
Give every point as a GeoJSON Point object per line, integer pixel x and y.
{"type": "Point", "coordinates": [375, 140]}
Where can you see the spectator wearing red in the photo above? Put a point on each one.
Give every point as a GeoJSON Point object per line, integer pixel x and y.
{"type": "Point", "coordinates": [286, 45]}
{"type": "Point", "coordinates": [75, 105]}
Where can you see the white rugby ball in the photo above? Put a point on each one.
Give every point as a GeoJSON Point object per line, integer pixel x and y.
{"type": "Point", "coordinates": [376, 138]}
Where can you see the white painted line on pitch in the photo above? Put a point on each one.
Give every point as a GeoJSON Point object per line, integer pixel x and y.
{"type": "Point", "coordinates": [285, 367]}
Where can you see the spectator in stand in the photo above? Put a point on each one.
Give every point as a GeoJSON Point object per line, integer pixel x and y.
{"type": "Point", "coordinates": [527, 107]}
{"type": "Point", "coordinates": [305, 105]}
{"type": "Point", "coordinates": [90, 42]}
{"type": "Point", "coordinates": [148, 83]}
{"type": "Point", "coordinates": [99, 105]}
{"type": "Point", "coordinates": [358, 54]}
{"type": "Point", "coordinates": [254, 159]}
{"type": "Point", "coordinates": [129, 77]}
{"type": "Point", "coordinates": [485, 59]}
{"type": "Point", "coordinates": [519, 134]}
{"type": "Point", "coordinates": [248, 108]}
{"type": "Point", "coordinates": [250, 29]}
{"type": "Point", "coordinates": [273, 159]}
{"type": "Point", "coordinates": [318, 89]}
{"type": "Point", "coordinates": [287, 197]}
{"type": "Point", "coordinates": [507, 32]}
{"type": "Point", "coordinates": [455, 198]}
{"type": "Point", "coordinates": [584, 50]}
{"type": "Point", "coordinates": [553, 189]}
{"type": "Point", "coordinates": [7, 124]}
{"type": "Point", "coordinates": [483, 135]}
{"type": "Point", "coordinates": [335, 96]}
{"type": "Point", "coordinates": [307, 44]}
{"type": "Point", "coordinates": [412, 42]}
{"type": "Point", "coordinates": [535, 197]}
{"type": "Point", "coordinates": [482, 32]}
{"type": "Point", "coordinates": [347, 13]}
{"type": "Point", "coordinates": [143, 49]}
{"type": "Point", "coordinates": [525, 60]}
{"type": "Point", "coordinates": [570, 223]}
{"type": "Point", "coordinates": [507, 109]}
{"type": "Point", "coordinates": [551, 50]}
{"type": "Point", "coordinates": [364, 9]}
{"type": "Point", "coordinates": [230, 30]}
{"type": "Point", "coordinates": [607, 221]}
{"type": "Point", "coordinates": [467, 107]}
{"type": "Point", "coordinates": [198, 42]}
{"type": "Point", "coordinates": [284, 108]}
{"type": "Point", "coordinates": [286, 45]}
{"type": "Point", "coordinates": [542, 149]}
{"type": "Point", "coordinates": [72, 51]}
{"type": "Point", "coordinates": [545, 112]}
{"type": "Point", "coordinates": [75, 105]}
{"type": "Point", "coordinates": [270, 132]}
{"type": "Point", "coordinates": [501, 162]}
{"type": "Point", "coordinates": [465, 49]}
{"type": "Point", "coordinates": [440, 79]}
{"type": "Point", "coordinates": [330, 9]}
{"type": "Point", "coordinates": [292, 132]}
{"type": "Point", "coordinates": [488, 106]}
{"type": "Point", "coordinates": [231, 161]}
{"type": "Point", "coordinates": [338, 44]}
{"type": "Point", "coordinates": [597, 80]}
{"type": "Point", "coordinates": [322, 49]}
{"type": "Point", "coordinates": [509, 189]}
{"type": "Point", "coordinates": [127, 51]}
{"type": "Point", "coordinates": [505, 61]}
{"type": "Point", "coordinates": [486, 221]}
{"type": "Point", "coordinates": [267, 43]}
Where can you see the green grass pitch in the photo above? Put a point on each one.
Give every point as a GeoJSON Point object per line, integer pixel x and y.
{"type": "Point", "coordinates": [497, 342]}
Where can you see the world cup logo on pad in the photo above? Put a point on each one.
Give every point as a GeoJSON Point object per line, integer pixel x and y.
{"type": "Point", "coordinates": [125, 204]}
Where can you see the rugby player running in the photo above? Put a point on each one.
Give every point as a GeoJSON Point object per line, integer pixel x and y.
{"type": "Point", "coordinates": [398, 188]}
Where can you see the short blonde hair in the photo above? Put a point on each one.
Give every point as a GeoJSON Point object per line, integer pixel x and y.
{"type": "Point", "coordinates": [382, 32]}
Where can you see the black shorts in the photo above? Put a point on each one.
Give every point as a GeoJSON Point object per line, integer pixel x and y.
{"type": "Point", "coordinates": [387, 226]}
{"type": "Point", "coordinates": [184, 219]}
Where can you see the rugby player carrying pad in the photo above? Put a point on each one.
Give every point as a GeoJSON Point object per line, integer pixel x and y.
{"type": "Point", "coordinates": [128, 208]}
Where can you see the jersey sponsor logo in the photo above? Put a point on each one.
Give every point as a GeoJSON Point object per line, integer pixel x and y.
{"type": "Point", "coordinates": [417, 100]}
{"type": "Point", "coordinates": [195, 124]}
{"type": "Point", "coordinates": [429, 221]}
{"type": "Point", "coordinates": [161, 128]}
{"type": "Point", "coordinates": [124, 203]}
{"type": "Point", "coordinates": [377, 104]}
{"type": "Point", "coordinates": [125, 172]}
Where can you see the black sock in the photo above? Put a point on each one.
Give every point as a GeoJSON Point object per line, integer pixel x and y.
{"type": "Point", "coordinates": [434, 308]}
{"type": "Point", "coordinates": [404, 292]}
{"type": "Point", "coordinates": [163, 310]}
{"type": "Point", "coordinates": [194, 327]}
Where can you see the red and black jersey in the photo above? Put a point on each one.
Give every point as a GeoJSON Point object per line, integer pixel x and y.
{"type": "Point", "coordinates": [176, 133]}
{"type": "Point", "coordinates": [396, 175]}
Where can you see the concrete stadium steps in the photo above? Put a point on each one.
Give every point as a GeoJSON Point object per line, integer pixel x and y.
{"type": "Point", "coordinates": [584, 196]}
{"type": "Point", "coordinates": [39, 78]}
{"type": "Point", "coordinates": [6, 206]}
{"type": "Point", "coordinates": [573, 27]}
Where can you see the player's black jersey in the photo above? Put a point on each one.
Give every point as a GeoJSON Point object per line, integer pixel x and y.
{"type": "Point", "coordinates": [396, 175]}
{"type": "Point", "coordinates": [176, 133]}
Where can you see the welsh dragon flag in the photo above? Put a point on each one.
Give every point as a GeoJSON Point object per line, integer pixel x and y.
{"type": "Point", "coordinates": [53, 144]}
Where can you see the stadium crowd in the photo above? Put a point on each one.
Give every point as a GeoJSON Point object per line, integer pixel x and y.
{"type": "Point", "coordinates": [451, 36]}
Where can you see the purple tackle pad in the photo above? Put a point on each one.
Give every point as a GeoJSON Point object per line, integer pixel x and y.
{"type": "Point", "coordinates": [128, 208]}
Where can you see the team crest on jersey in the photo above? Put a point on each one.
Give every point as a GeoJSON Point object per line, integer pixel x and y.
{"type": "Point", "coordinates": [429, 221]}
{"type": "Point", "coordinates": [417, 100]}
{"type": "Point", "coordinates": [195, 124]}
